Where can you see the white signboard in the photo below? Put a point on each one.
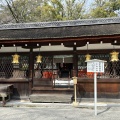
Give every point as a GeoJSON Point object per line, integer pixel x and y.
{"type": "Point", "coordinates": [95, 65]}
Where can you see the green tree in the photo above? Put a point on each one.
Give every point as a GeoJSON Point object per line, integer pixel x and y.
{"type": "Point", "coordinates": [105, 8]}
{"type": "Point", "coordinates": [43, 10]}
{"type": "Point", "coordinates": [52, 11]}
{"type": "Point", "coordinates": [22, 10]}
{"type": "Point", "coordinates": [74, 9]}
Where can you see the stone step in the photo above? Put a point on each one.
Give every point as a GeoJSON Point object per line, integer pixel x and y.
{"type": "Point", "coordinates": [52, 90]}
{"type": "Point", "coordinates": [43, 82]}
{"type": "Point", "coordinates": [48, 98]}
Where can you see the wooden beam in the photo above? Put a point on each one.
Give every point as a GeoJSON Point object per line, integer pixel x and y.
{"type": "Point", "coordinates": [57, 41]}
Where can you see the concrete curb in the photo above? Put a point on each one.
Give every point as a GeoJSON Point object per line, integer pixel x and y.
{"type": "Point", "coordinates": [24, 103]}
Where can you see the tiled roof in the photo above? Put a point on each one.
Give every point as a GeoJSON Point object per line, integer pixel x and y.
{"type": "Point", "coordinates": [61, 23]}
{"type": "Point", "coordinates": [65, 29]}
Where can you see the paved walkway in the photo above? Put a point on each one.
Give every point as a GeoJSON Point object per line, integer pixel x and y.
{"type": "Point", "coordinates": [25, 110]}
{"type": "Point", "coordinates": [71, 113]}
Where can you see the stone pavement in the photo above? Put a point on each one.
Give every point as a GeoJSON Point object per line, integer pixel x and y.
{"type": "Point", "coordinates": [25, 110]}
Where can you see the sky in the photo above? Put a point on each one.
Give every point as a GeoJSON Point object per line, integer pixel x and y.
{"type": "Point", "coordinates": [88, 2]}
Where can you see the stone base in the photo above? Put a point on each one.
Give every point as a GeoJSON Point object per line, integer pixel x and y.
{"type": "Point", "coordinates": [50, 98]}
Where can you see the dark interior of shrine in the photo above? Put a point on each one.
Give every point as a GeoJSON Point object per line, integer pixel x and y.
{"type": "Point", "coordinates": [65, 69]}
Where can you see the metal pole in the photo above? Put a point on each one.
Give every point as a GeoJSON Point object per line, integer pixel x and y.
{"type": "Point", "coordinates": [95, 93]}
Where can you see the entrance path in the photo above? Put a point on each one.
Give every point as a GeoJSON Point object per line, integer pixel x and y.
{"type": "Point", "coordinates": [44, 113]}
{"type": "Point", "coordinates": [25, 110]}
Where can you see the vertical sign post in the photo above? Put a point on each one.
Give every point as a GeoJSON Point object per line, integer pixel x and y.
{"type": "Point", "coordinates": [96, 66]}
{"type": "Point", "coordinates": [75, 103]}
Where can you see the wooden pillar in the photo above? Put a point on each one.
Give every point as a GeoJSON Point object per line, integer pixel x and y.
{"type": "Point", "coordinates": [75, 62]}
{"type": "Point", "coordinates": [31, 67]}
{"type": "Point", "coordinates": [31, 63]}
{"type": "Point", "coordinates": [75, 67]}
